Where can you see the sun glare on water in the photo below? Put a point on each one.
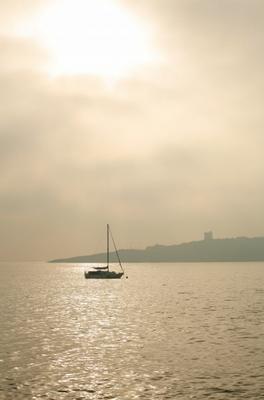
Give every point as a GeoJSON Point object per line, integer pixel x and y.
{"type": "Point", "coordinates": [96, 37]}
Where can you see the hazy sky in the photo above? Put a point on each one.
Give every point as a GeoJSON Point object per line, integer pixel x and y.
{"type": "Point", "coordinates": [145, 114]}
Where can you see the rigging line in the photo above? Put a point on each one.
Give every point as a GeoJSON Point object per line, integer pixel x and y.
{"type": "Point", "coordinates": [116, 250]}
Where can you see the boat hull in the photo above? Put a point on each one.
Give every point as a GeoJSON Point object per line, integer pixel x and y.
{"type": "Point", "coordinates": [103, 275]}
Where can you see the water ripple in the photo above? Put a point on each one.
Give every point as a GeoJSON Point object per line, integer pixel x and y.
{"type": "Point", "coordinates": [170, 331]}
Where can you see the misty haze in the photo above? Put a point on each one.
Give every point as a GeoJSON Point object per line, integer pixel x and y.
{"type": "Point", "coordinates": [168, 147]}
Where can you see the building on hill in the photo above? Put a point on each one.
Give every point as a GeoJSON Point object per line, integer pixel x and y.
{"type": "Point", "coordinates": [208, 236]}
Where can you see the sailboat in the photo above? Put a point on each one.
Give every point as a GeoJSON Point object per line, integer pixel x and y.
{"type": "Point", "coordinates": [104, 271]}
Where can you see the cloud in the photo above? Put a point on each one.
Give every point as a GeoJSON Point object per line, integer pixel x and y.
{"type": "Point", "coordinates": [13, 11]}
{"type": "Point", "coordinates": [20, 54]}
{"type": "Point", "coordinates": [162, 156]}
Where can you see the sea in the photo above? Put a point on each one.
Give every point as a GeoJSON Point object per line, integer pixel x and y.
{"type": "Point", "coordinates": [167, 331]}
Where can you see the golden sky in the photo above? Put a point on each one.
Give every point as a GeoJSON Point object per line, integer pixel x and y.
{"type": "Point", "coordinates": [143, 114]}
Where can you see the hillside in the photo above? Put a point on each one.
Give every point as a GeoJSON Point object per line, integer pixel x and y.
{"type": "Point", "coordinates": [218, 250]}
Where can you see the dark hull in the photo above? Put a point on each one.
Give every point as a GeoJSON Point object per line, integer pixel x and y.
{"type": "Point", "coordinates": [103, 275]}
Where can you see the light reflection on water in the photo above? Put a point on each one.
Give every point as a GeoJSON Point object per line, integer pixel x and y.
{"type": "Point", "coordinates": [185, 331]}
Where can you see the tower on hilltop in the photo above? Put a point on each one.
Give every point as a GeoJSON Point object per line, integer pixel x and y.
{"type": "Point", "coordinates": [208, 236]}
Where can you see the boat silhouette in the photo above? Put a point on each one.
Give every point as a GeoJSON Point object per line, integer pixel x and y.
{"type": "Point", "coordinates": [103, 272]}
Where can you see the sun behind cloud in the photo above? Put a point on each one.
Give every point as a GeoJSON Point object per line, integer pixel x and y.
{"type": "Point", "coordinates": [92, 37]}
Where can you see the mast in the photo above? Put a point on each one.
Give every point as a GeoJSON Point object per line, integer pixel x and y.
{"type": "Point", "coordinates": [108, 247]}
{"type": "Point", "coordinates": [116, 249]}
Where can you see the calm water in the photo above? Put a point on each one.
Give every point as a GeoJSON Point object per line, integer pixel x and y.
{"type": "Point", "coordinates": [170, 331]}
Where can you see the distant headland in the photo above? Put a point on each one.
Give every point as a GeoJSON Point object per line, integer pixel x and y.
{"type": "Point", "coordinates": [206, 250]}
